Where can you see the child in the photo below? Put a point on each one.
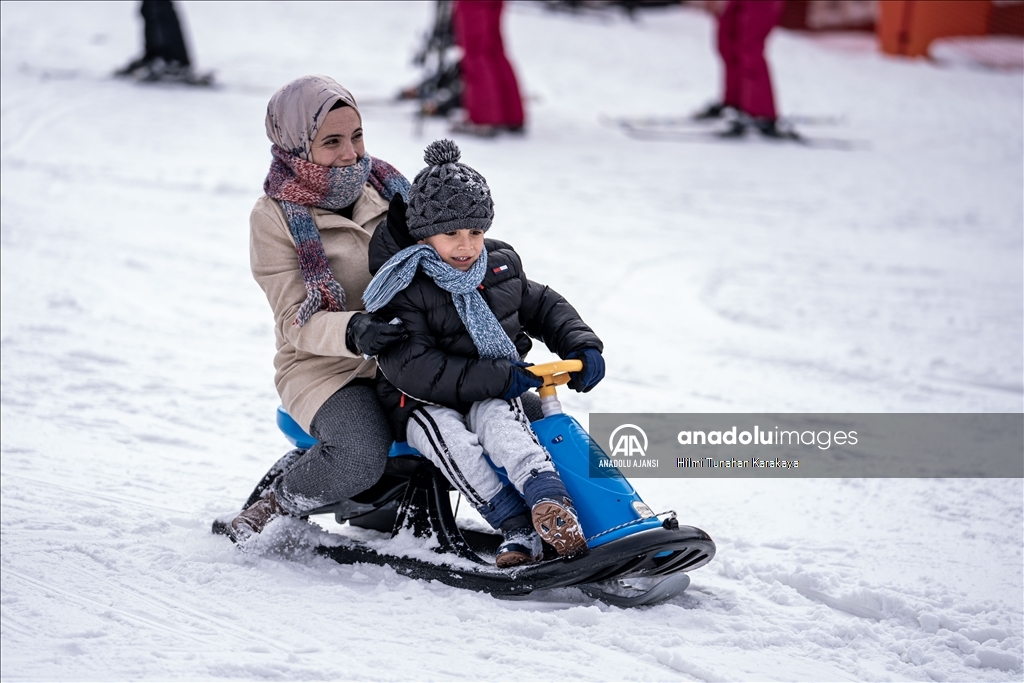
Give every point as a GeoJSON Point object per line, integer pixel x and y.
{"type": "Point", "coordinates": [452, 387]}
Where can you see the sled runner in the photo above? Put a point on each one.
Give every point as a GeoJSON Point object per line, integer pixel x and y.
{"type": "Point", "coordinates": [635, 557]}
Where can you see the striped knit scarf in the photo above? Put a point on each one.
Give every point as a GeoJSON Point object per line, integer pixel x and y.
{"type": "Point", "coordinates": [298, 185]}
{"type": "Point", "coordinates": [489, 337]}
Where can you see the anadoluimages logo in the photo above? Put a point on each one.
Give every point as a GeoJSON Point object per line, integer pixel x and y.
{"type": "Point", "coordinates": [626, 441]}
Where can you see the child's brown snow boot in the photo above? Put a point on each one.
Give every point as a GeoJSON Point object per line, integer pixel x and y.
{"type": "Point", "coordinates": [556, 522]}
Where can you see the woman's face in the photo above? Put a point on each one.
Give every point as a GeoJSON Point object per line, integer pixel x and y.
{"type": "Point", "coordinates": [339, 141]}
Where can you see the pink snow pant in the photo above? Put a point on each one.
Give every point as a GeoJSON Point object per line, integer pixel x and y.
{"type": "Point", "coordinates": [742, 30]}
{"type": "Point", "coordinates": [490, 92]}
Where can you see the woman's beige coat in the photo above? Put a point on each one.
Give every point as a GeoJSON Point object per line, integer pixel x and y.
{"type": "Point", "coordinates": [312, 361]}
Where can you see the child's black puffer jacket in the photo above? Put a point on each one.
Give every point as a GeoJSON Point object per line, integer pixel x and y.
{"type": "Point", "coordinates": [439, 363]}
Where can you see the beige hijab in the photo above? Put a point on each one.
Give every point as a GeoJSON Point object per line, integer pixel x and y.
{"type": "Point", "coordinates": [296, 112]}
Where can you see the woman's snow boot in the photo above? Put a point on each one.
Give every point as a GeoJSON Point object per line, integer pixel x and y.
{"type": "Point", "coordinates": [255, 518]}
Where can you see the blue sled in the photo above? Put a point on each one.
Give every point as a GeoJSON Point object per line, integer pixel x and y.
{"type": "Point", "coordinates": [634, 557]}
{"type": "Point", "coordinates": [608, 507]}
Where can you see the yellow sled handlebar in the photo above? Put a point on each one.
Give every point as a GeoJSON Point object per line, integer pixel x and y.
{"type": "Point", "coordinates": [555, 373]}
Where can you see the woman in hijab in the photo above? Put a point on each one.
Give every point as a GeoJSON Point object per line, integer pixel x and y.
{"type": "Point", "coordinates": [309, 237]}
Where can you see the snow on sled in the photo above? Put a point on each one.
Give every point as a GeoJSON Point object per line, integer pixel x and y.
{"type": "Point", "coordinates": [635, 557]}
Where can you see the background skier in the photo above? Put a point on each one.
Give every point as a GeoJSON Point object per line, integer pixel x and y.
{"type": "Point", "coordinates": [490, 92]}
{"type": "Point", "coordinates": [165, 56]}
{"type": "Point", "coordinates": [743, 28]}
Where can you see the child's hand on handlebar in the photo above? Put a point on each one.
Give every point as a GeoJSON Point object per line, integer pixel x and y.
{"type": "Point", "coordinates": [520, 381]}
{"type": "Point", "coordinates": [592, 372]}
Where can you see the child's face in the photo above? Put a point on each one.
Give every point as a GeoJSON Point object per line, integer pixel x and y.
{"type": "Point", "coordinates": [459, 248]}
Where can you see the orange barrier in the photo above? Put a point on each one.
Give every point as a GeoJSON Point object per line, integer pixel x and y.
{"type": "Point", "coordinates": [907, 27]}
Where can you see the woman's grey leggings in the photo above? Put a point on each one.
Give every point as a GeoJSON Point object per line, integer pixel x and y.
{"type": "Point", "coordinates": [354, 439]}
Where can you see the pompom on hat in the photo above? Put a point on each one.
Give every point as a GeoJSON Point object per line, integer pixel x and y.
{"type": "Point", "coordinates": [447, 195]}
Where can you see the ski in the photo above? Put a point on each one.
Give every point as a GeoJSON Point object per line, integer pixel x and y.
{"type": "Point", "coordinates": [205, 80]}
{"type": "Point", "coordinates": [200, 80]}
{"type": "Point", "coordinates": [694, 122]}
{"type": "Point", "coordinates": [723, 136]}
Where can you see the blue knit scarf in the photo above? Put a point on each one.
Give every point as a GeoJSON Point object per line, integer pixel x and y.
{"type": "Point", "coordinates": [490, 339]}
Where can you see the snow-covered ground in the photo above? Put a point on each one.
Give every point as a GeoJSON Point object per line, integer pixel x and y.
{"type": "Point", "coordinates": [137, 396]}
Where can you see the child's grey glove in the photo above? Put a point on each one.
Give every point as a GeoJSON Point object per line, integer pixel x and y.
{"type": "Point", "coordinates": [370, 334]}
{"type": "Point", "coordinates": [520, 380]}
{"type": "Point", "coordinates": [592, 372]}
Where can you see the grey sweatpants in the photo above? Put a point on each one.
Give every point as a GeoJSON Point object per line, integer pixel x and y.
{"type": "Point", "coordinates": [456, 445]}
{"type": "Point", "coordinates": [354, 439]}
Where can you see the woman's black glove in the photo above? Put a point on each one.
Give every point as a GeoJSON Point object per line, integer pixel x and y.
{"type": "Point", "coordinates": [592, 372]}
{"type": "Point", "coordinates": [397, 227]}
{"type": "Point", "coordinates": [370, 334]}
{"type": "Point", "coordinates": [521, 380]}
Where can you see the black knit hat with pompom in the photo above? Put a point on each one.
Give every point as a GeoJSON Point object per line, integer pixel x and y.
{"type": "Point", "coordinates": [447, 195]}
